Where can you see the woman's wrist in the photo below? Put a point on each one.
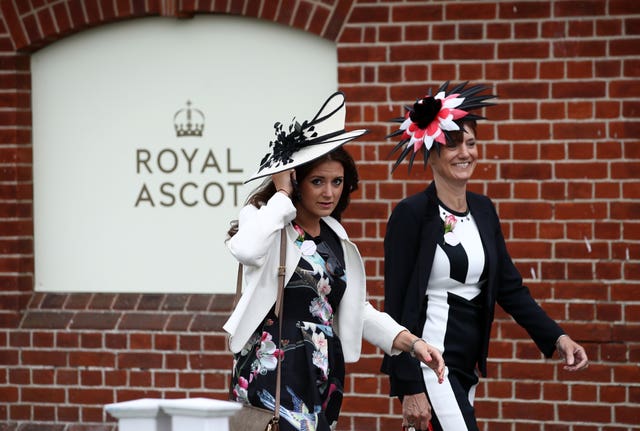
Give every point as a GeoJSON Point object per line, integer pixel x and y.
{"type": "Point", "coordinates": [284, 191]}
{"type": "Point", "coordinates": [412, 349]}
{"type": "Point", "coordinates": [558, 339]}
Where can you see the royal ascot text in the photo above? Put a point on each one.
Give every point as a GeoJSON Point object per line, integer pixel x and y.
{"type": "Point", "coordinates": [181, 171]}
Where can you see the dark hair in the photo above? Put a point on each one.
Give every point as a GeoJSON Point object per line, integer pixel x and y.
{"type": "Point", "coordinates": [267, 189]}
{"type": "Point", "coordinates": [457, 136]}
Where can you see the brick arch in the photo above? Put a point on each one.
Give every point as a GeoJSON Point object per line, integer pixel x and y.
{"type": "Point", "coordinates": [32, 28]}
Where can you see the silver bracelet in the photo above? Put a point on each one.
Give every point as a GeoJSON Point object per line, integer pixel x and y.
{"type": "Point", "coordinates": [412, 351]}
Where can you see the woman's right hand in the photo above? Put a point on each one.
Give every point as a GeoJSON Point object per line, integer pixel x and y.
{"type": "Point", "coordinates": [416, 412]}
{"type": "Point", "coordinates": [282, 181]}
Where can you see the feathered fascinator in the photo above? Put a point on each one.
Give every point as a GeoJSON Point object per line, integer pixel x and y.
{"type": "Point", "coordinates": [432, 117]}
{"type": "Point", "coordinates": [302, 143]}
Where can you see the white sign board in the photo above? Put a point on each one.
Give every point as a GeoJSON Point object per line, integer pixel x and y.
{"type": "Point", "coordinates": [143, 134]}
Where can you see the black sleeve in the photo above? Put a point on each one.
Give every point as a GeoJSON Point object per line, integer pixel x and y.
{"type": "Point", "coordinates": [401, 247]}
{"type": "Point", "coordinates": [514, 297]}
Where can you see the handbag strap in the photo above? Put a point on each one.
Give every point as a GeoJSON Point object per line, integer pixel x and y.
{"type": "Point", "coordinates": [238, 287]}
{"type": "Point", "coordinates": [278, 307]}
{"type": "Point", "coordinates": [281, 276]}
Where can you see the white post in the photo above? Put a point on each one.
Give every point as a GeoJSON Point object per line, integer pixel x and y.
{"type": "Point", "coordinates": [140, 415]}
{"type": "Point", "coordinates": [200, 414]}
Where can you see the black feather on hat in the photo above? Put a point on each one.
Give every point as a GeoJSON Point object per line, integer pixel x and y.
{"type": "Point", "coordinates": [303, 143]}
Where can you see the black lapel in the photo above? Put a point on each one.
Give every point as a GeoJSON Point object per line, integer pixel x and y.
{"type": "Point", "coordinates": [432, 229]}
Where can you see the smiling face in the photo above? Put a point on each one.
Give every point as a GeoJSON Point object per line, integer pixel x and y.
{"type": "Point", "coordinates": [320, 190]}
{"type": "Point", "coordinates": [455, 163]}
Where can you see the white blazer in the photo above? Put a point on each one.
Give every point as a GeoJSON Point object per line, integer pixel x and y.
{"type": "Point", "coordinates": [257, 247]}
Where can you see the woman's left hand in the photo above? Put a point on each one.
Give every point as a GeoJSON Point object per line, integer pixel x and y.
{"type": "Point", "coordinates": [431, 356]}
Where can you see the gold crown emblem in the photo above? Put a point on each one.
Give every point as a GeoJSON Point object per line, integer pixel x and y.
{"type": "Point", "coordinates": [185, 124]}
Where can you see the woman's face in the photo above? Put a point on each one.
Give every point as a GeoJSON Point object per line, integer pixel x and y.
{"type": "Point", "coordinates": [320, 191]}
{"type": "Point", "coordinates": [455, 163]}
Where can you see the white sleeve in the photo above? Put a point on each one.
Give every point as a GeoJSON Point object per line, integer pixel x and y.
{"type": "Point", "coordinates": [380, 329]}
{"type": "Point", "coordinates": [257, 229]}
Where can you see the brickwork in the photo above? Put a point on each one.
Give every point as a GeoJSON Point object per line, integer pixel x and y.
{"type": "Point", "coordinates": [560, 158]}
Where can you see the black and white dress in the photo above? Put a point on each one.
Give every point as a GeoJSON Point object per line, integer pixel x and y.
{"type": "Point", "coordinates": [453, 321]}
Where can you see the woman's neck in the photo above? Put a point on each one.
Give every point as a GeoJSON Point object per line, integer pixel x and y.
{"type": "Point", "coordinates": [309, 224]}
{"type": "Point", "coordinates": [452, 195]}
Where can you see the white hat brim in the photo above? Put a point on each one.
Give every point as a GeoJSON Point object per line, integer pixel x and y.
{"type": "Point", "coordinates": [310, 153]}
{"type": "Point", "coordinates": [324, 133]}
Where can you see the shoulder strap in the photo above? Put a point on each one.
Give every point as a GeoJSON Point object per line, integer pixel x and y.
{"type": "Point", "coordinates": [281, 276]}
{"type": "Point", "coordinates": [238, 287]}
{"type": "Point", "coordinates": [278, 307]}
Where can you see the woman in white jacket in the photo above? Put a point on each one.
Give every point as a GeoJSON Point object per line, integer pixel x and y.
{"type": "Point", "coordinates": [325, 311]}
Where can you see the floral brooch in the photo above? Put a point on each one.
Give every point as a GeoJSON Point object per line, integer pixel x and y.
{"type": "Point", "coordinates": [308, 247]}
{"type": "Point", "coordinates": [449, 225]}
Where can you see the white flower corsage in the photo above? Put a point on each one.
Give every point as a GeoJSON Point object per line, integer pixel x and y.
{"type": "Point", "coordinates": [308, 247]}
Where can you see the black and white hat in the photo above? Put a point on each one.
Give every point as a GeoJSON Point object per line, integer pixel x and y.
{"type": "Point", "coordinates": [303, 143]}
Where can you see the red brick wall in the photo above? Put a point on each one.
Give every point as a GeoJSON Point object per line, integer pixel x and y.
{"type": "Point", "coordinates": [561, 159]}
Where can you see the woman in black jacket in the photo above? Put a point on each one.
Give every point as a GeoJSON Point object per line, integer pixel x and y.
{"type": "Point", "coordinates": [446, 266]}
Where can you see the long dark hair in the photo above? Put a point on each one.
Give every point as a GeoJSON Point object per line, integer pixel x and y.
{"type": "Point", "coordinates": [263, 193]}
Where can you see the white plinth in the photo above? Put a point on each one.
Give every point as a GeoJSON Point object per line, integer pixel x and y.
{"type": "Point", "coordinates": [200, 414]}
{"type": "Point", "coordinates": [187, 414]}
{"type": "Point", "coordinates": [140, 415]}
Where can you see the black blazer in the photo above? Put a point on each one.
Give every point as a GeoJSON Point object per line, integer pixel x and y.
{"type": "Point", "coordinates": [413, 231]}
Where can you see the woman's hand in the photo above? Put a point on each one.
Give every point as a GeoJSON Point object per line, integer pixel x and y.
{"type": "Point", "coordinates": [431, 356]}
{"type": "Point", "coordinates": [423, 351]}
{"type": "Point", "coordinates": [573, 354]}
{"type": "Point", "coordinates": [283, 181]}
{"type": "Point", "coordinates": [416, 412]}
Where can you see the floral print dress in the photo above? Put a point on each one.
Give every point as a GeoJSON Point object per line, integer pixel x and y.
{"type": "Point", "coordinates": [312, 360]}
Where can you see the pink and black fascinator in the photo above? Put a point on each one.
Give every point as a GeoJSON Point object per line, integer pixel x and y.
{"type": "Point", "coordinates": [302, 143]}
{"type": "Point", "coordinates": [431, 119]}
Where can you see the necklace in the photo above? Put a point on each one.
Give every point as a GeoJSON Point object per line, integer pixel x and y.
{"type": "Point", "coordinates": [461, 217]}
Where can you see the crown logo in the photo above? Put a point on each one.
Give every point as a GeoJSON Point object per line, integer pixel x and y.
{"type": "Point", "coordinates": [185, 124]}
